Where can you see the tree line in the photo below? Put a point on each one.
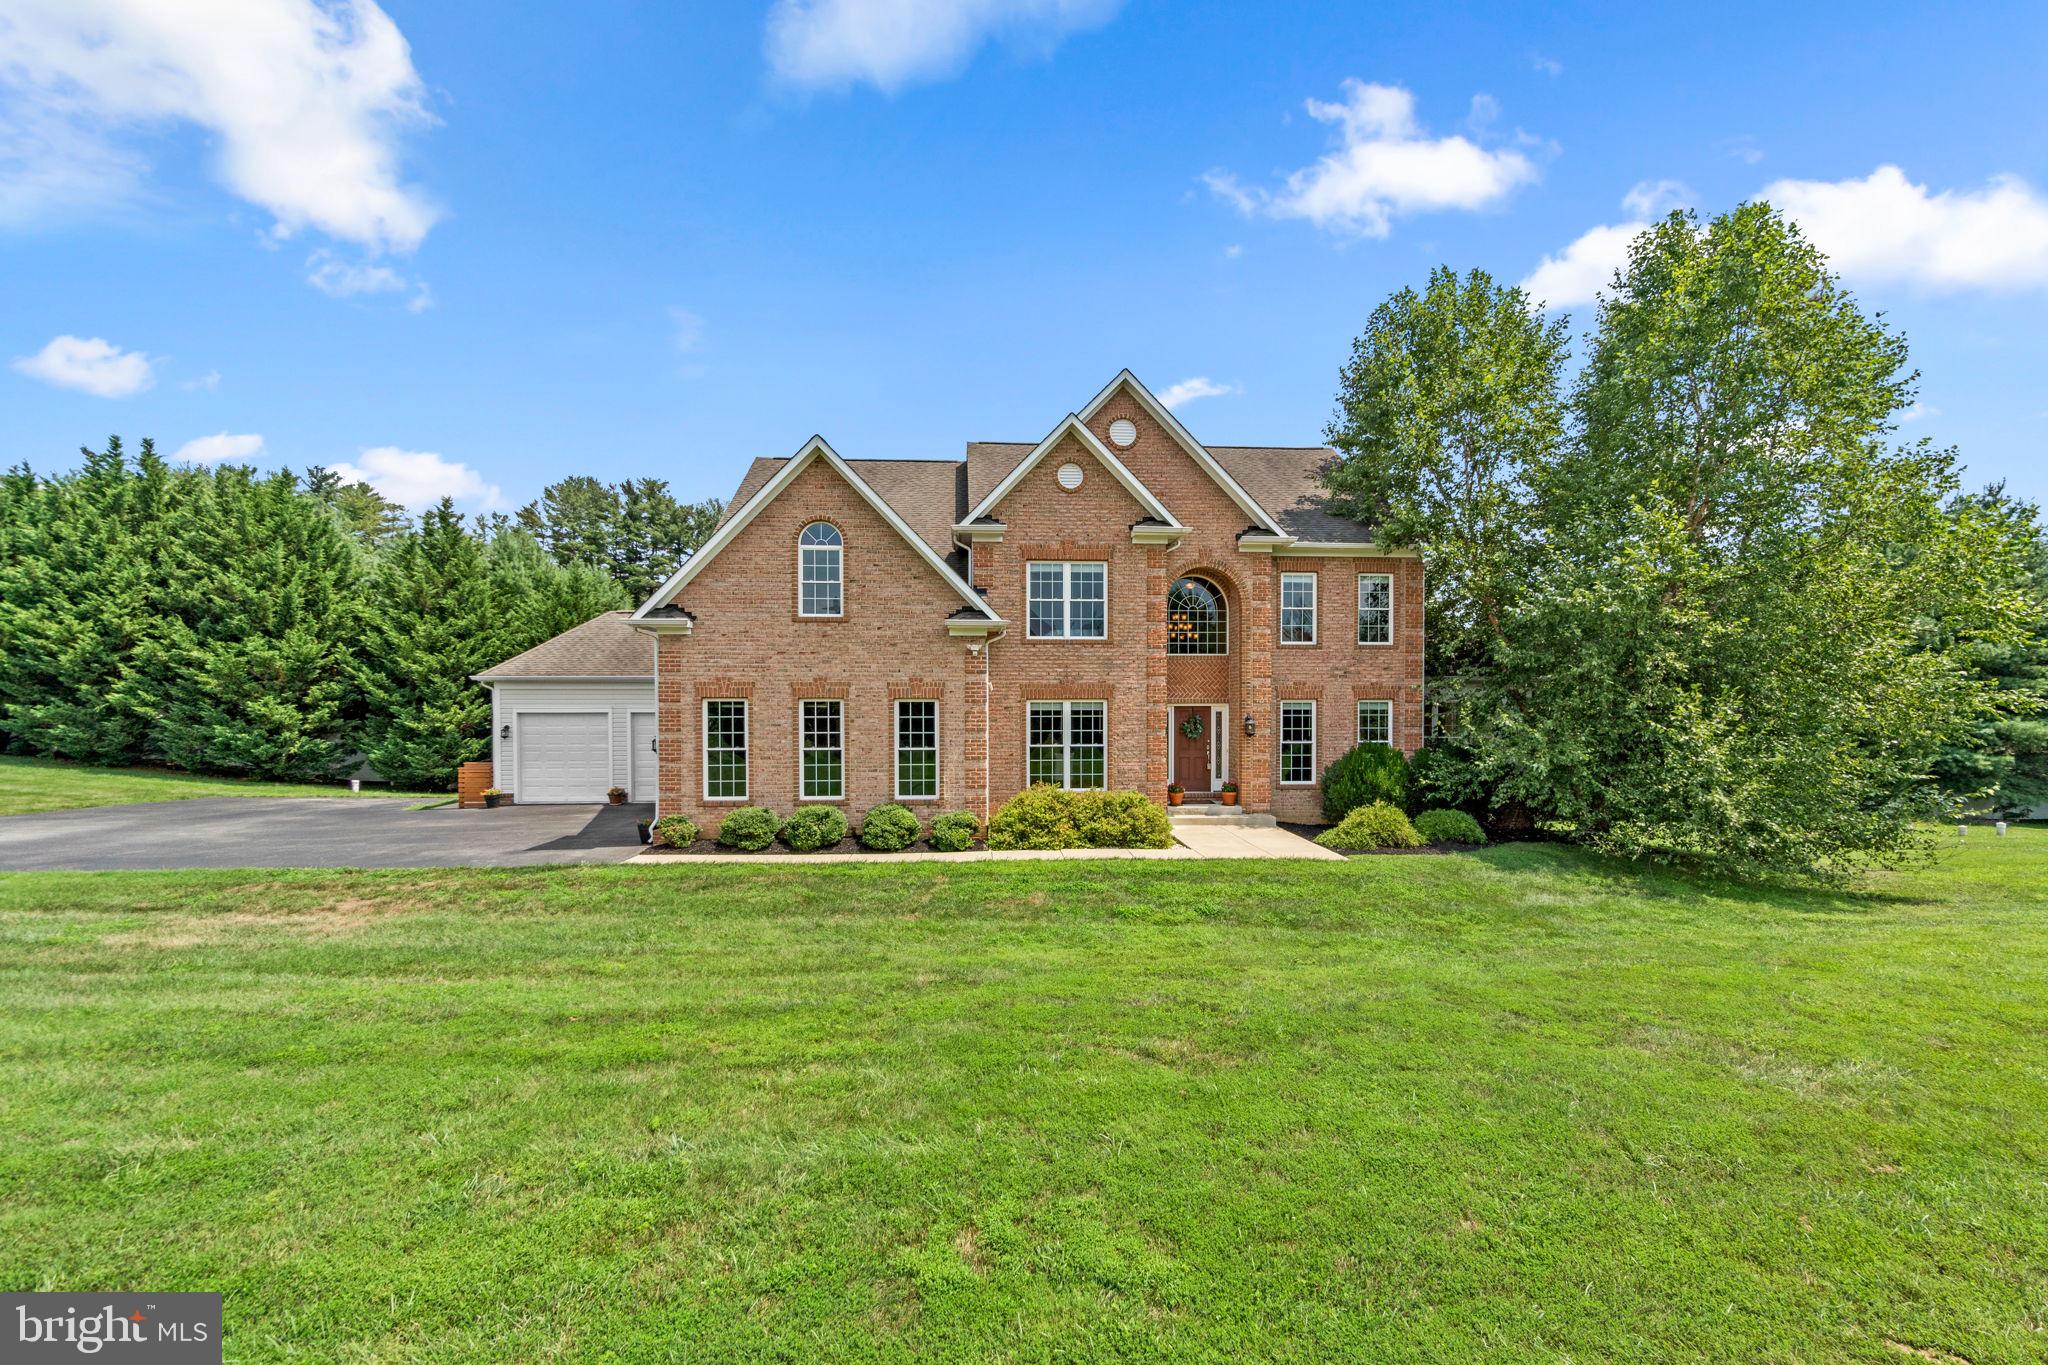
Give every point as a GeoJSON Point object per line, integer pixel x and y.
{"type": "Point", "coordinates": [286, 627]}
{"type": "Point", "coordinates": [1697, 600]}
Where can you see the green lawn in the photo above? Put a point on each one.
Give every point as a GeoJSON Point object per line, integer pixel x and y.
{"type": "Point", "coordinates": [33, 784]}
{"type": "Point", "coordinates": [1516, 1105]}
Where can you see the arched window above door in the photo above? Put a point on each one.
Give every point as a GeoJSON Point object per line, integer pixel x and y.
{"type": "Point", "coordinates": [1196, 620]}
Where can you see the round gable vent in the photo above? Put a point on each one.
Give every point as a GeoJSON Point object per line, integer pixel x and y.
{"type": "Point", "coordinates": [1070, 476]}
{"type": "Point", "coordinates": [1123, 431]}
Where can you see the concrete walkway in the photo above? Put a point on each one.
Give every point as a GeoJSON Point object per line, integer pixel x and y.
{"type": "Point", "coordinates": [1222, 842]}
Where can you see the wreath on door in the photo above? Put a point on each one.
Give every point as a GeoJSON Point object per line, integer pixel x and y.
{"type": "Point", "coordinates": [1192, 727]}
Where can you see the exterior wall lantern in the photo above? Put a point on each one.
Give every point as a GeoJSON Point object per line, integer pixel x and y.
{"type": "Point", "coordinates": [505, 730]}
{"type": "Point", "coordinates": [1251, 727]}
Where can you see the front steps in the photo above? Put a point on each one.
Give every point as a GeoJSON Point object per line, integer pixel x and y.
{"type": "Point", "coordinates": [1209, 815]}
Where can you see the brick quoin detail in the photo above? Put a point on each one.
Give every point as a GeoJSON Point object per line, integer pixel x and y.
{"type": "Point", "coordinates": [892, 642]}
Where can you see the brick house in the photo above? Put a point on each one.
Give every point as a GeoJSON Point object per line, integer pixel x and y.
{"type": "Point", "coordinates": [1116, 605]}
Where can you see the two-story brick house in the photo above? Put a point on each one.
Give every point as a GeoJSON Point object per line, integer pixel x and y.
{"type": "Point", "coordinates": [1116, 605]}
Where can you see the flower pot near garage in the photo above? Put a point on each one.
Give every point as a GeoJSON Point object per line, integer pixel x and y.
{"type": "Point", "coordinates": [1228, 794]}
{"type": "Point", "coordinates": [1175, 795]}
{"type": "Point", "coordinates": [617, 796]}
{"type": "Point", "coordinates": [492, 797]}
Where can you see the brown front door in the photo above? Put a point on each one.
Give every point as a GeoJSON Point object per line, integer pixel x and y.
{"type": "Point", "coordinates": [1191, 756]}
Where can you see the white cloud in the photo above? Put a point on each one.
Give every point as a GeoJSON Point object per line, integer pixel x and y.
{"type": "Point", "coordinates": [1577, 274]}
{"type": "Point", "coordinates": [1918, 411]}
{"type": "Point", "coordinates": [1581, 270]}
{"type": "Point", "coordinates": [1886, 228]}
{"type": "Point", "coordinates": [1547, 66]}
{"type": "Point", "coordinates": [1188, 390]}
{"type": "Point", "coordinates": [892, 43]}
{"type": "Point", "coordinates": [208, 381]}
{"type": "Point", "coordinates": [1655, 198]}
{"type": "Point", "coordinates": [303, 101]}
{"type": "Point", "coordinates": [417, 478]}
{"type": "Point", "coordinates": [219, 448]}
{"type": "Point", "coordinates": [340, 279]}
{"type": "Point", "coordinates": [688, 330]}
{"type": "Point", "coordinates": [1233, 251]}
{"type": "Point", "coordinates": [90, 365]}
{"type": "Point", "coordinates": [1383, 166]}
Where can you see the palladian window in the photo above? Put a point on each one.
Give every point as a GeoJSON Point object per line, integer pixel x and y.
{"type": "Point", "coordinates": [1195, 621]}
{"type": "Point", "coordinates": [818, 570]}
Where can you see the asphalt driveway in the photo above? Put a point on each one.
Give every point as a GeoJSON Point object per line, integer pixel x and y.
{"type": "Point", "coordinates": [255, 831]}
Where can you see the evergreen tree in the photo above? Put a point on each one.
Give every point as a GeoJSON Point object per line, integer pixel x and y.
{"type": "Point", "coordinates": [252, 668]}
{"type": "Point", "coordinates": [635, 531]}
{"type": "Point", "coordinates": [368, 515]}
{"type": "Point", "coordinates": [432, 625]}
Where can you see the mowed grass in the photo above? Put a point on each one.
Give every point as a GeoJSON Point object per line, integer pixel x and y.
{"type": "Point", "coordinates": [1516, 1105]}
{"type": "Point", "coordinates": [28, 785]}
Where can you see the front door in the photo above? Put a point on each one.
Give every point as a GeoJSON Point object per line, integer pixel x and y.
{"type": "Point", "coordinates": [1191, 752]}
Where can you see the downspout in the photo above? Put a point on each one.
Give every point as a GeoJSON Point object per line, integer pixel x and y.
{"type": "Point", "coordinates": [988, 700]}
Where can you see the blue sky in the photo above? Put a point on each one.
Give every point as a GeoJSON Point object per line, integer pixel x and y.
{"type": "Point", "coordinates": [473, 248]}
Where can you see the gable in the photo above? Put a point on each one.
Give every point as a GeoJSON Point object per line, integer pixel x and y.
{"type": "Point", "coordinates": [815, 453]}
{"type": "Point", "coordinates": [1072, 441]}
{"type": "Point", "coordinates": [1166, 455]}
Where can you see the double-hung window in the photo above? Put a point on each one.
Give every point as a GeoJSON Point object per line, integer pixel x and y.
{"type": "Point", "coordinates": [1376, 722]}
{"type": "Point", "coordinates": [824, 754]}
{"type": "Point", "coordinates": [820, 565]}
{"type": "Point", "coordinates": [725, 750]}
{"type": "Point", "coordinates": [1066, 600]}
{"type": "Point", "coordinates": [1067, 743]}
{"type": "Point", "coordinates": [917, 750]}
{"type": "Point", "coordinates": [1297, 742]}
{"type": "Point", "coordinates": [1297, 609]}
{"type": "Point", "coordinates": [1375, 609]}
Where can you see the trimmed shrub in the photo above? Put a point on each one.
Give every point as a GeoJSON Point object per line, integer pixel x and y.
{"type": "Point", "coordinates": [889, 828]}
{"type": "Point", "coordinates": [1369, 773]}
{"type": "Point", "coordinates": [677, 831]}
{"type": "Point", "coordinates": [1449, 827]}
{"type": "Point", "coordinates": [749, 828]}
{"type": "Point", "coordinates": [955, 831]}
{"type": "Point", "coordinates": [813, 828]}
{"type": "Point", "coordinates": [1120, 820]}
{"type": "Point", "coordinates": [1378, 825]}
{"type": "Point", "coordinates": [1040, 816]}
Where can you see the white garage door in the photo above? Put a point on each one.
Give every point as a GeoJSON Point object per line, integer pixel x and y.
{"type": "Point", "coordinates": [564, 756]}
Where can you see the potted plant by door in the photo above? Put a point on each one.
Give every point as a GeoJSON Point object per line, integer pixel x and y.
{"type": "Point", "coordinates": [1227, 793]}
{"type": "Point", "coordinates": [617, 796]}
{"type": "Point", "coordinates": [1175, 794]}
{"type": "Point", "coordinates": [492, 796]}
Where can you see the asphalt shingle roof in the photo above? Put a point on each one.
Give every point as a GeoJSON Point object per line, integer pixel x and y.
{"type": "Point", "coordinates": [602, 647]}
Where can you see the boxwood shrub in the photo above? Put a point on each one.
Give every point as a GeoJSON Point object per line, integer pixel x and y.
{"type": "Point", "coordinates": [955, 831]}
{"type": "Point", "coordinates": [1449, 827]}
{"type": "Point", "coordinates": [1120, 820]}
{"type": "Point", "coordinates": [749, 828]}
{"type": "Point", "coordinates": [676, 831]}
{"type": "Point", "coordinates": [1041, 816]}
{"type": "Point", "coordinates": [813, 828]}
{"type": "Point", "coordinates": [1369, 773]}
{"type": "Point", "coordinates": [1044, 817]}
{"type": "Point", "coordinates": [1378, 825]}
{"type": "Point", "coordinates": [889, 828]}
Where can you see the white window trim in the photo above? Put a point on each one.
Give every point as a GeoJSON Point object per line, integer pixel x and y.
{"type": "Point", "coordinates": [1315, 610]}
{"type": "Point", "coordinates": [896, 748]}
{"type": "Point", "coordinates": [802, 750]}
{"type": "Point", "coordinates": [1378, 644]}
{"type": "Point", "coordinates": [1067, 739]}
{"type": "Point", "coordinates": [1358, 720]}
{"type": "Point", "coordinates": [1067, 567]}
{"type": "Point", "coordinates": [746, 740]}
{"type": "Point", "coordinates": [839, 555]}
{"type": "Point", "coordinates": [1280, 742]}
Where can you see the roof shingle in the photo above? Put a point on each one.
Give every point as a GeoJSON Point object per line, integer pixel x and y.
{"type": "Point", "coordinates": [602, 647]}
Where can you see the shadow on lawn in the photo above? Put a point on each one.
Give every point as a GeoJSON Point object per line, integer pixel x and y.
{"type": "Point", "coordinates": [1646, 880]}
